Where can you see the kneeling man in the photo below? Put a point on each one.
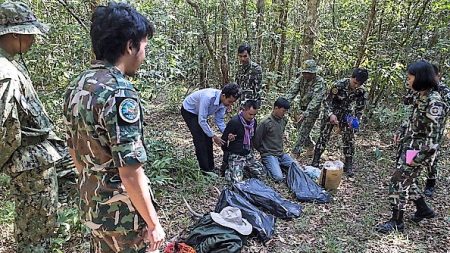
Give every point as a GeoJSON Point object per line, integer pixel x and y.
{"type": "Point", "coordinates": [238, 138]}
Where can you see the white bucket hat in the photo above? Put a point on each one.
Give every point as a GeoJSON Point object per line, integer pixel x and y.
{"type": "Point", "coordinates": [231, 217]}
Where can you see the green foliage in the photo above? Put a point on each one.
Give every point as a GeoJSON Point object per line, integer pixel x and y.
{"type": "Point", "coordinates": [4, 180]}
{"type": "Point", "coordinates": [165, 167]}
{"type": "Point", "coordinates": [69, 225]}
{"type": "Point", "coordinates": [7, 212]}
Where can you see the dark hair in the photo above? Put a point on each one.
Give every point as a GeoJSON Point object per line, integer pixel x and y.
{"type": "Point", "coordinates": [231, 89]}
{"type": "Point", "coordinates": [424, 75]}
{"type": "Point", "coordinates": [250, 103]}
{"type": "Point", "coordinates": [113, 26]}
{"type": "Point", "coordinates": [245, 47]}
{"type": "Point", "coordinates": [361, 75]}
{"type": "Point", "coordinates": [282, 103]}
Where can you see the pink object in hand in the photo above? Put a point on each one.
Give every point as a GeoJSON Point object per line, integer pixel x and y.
{"type": "Point", "coordinates": [410, 154]}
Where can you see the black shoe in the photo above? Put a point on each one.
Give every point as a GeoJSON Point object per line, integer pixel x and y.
{"type": "Point", "coordinates": [429, 187]}
{"type": "Point", "coordinates": [423, 211]}
{"type": "Point", "coordinates": [394, 224]}
{"type": "Point", "coordinates": [349, 172]}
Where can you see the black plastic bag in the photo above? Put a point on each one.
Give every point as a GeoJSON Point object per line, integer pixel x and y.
{"type": "Point", "coordinates": [263, 224]}
{"type": "Point", "coordinates": [267, 199]}
{"type": "Point", "coordinates": [304, 188]}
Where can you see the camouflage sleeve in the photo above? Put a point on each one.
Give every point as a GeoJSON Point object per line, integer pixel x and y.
{"type": "Point", "coordinates": [293, 90]}
{"type": "Point", "coordinates": [9, 119]}
{"type": "Point", "coordinates": [434, 120]}
{"type": "Point", "coordinates": [123, 120]}
{"type": "Point", "coordinates": [402, 128]}
{"type": "Point", "coordinates": [328, 101]}
{"type": "Point", "coordinates": [314, 104]}
{"type": "Point", "coordinates": [258, 82]}
{"type": "Point", "coordinates": [444, 91]}
{"type": "Point", "coordinates": [361, 101]}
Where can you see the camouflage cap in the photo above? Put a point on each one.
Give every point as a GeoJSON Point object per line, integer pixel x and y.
{"type": "Point", "coordinates": [310, 66]}
{"type": "Point", "coordinates": [17, 17]}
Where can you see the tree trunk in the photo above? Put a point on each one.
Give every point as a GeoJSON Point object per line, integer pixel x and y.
{"type": "Point", "coordinates": [310, 31]}
{"type": "Point", "coordinates": [203, 81]}
{"type": "Point", "coordinates": [258, 35]}
{"type": "Point", "coordinates": [205, 37]}
{"type": "Point", "coordinates": [365, 36]}
{"type": "Point", "coordinates": [283, 25]}
{"type": "Point", "coordinates": [224, 44]}
{"type": "Point", "coordinates": [245, 19]}
{"type": "Point", "coordinates": [419, 18]}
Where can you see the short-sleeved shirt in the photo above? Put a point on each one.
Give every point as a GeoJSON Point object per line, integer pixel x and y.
{"type": "Point", "coordinates": [341, 100]}
{"type": "Point", "coordinates": [103, 118]}
{"type": "Point", "coordinates": [249, 78]}
{"type": "Point", "coordinates": [203, 103]}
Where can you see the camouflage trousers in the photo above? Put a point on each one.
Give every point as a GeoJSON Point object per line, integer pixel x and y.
{"type": "Point", "coordinates": [304, 140]}
{"type": "Point", "coordinates": [403, 185]}
{"type": "Point", "coordinates": [35, 194]}
{"type": "Point", "coordinates": [237, 164]}
{"type": "Point", "coordinates": [347, 140]}
{"type": "Point", "coordinates": [113, 242]}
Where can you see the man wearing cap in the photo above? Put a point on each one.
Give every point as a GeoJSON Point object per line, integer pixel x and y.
{"type": "Point", "coordinates": [28, 151]}
{"type": "Point", "coordinates": [249, 76]}
{"type": "Point", "coordinates": [345, 100]}
{"type": "Point", "coordinates": [311, 88]}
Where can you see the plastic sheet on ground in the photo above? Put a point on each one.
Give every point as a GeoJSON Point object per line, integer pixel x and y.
{"type": "Point", "coordinates": [263, 224]}
{"type": "Point", "coordinates": [304, 188]}
{"type": "Point", "coordinates": [267, 199]}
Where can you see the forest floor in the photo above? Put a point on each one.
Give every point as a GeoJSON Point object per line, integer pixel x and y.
{"type": "Point", "coordinates": [344, 225]}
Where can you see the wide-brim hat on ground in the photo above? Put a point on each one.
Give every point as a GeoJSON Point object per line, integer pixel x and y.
{"type": "Point", "coordinates": [17, 17]}
{"type": "Point", "coordinates": [231, 217]}
{"type": "Point", "coordinates": [310, 66]}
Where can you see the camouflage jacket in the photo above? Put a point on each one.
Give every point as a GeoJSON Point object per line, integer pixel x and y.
{"type": "Point", "coordinates": [25, 126]}
{"type": "Point", "coordinates": [249, 78]}
{"type": "Point", "coordinates": [103, 118]}
{"type": "Point", "coordinates": [311, 94]}
{"type": "Point", "coordinates": [410, 98]}
{"type": "Point", "coordinates": [424, 126]}
{"type": "Point", "coordinates": [341, 101]}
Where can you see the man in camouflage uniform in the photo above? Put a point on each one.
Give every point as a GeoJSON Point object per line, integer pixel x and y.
{"type": "Point", "coordinates": [346, 98]}
{"type": "Point", "coordinates": [409, 99]}
{"type": "Point", "coordinates": [420, 143]}
{"type": "Point", "coordinates": [311, 88]}
{"type": "Point", "coordinates": [238, 138]}
{"type": "Point", "coordinates": [249, 76]}
{"type": "Point", "coordinates": [104, 122]}
{"type": "Point", "coordinates": [28, 151]}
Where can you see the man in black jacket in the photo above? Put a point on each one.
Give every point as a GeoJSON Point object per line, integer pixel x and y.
{"type": "Point", "coordinates": [238, 137]}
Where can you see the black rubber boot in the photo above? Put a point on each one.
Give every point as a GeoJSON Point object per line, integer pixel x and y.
{"type": "Point", "coordinates": [423, 211]}
{"type": "Point", "coordinates": [394, 224]}
{"type": "Point", "coordinates": [349, 172]}
{"type": "Point", "coordinates": [429, 187]}
{"type": "Point", "coordinates": [348, 167]}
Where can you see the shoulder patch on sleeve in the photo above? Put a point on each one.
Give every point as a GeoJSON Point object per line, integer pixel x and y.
{"type": "Point", "coordinates": [129, 110]}
{"type": "Point", "coordinates": [435, 110]}
{"type": "Point", "coordinates": [334, 91]}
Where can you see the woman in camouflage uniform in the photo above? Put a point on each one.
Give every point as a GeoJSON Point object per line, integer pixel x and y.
{"type": "Point", "coordinates": [418, 147]}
